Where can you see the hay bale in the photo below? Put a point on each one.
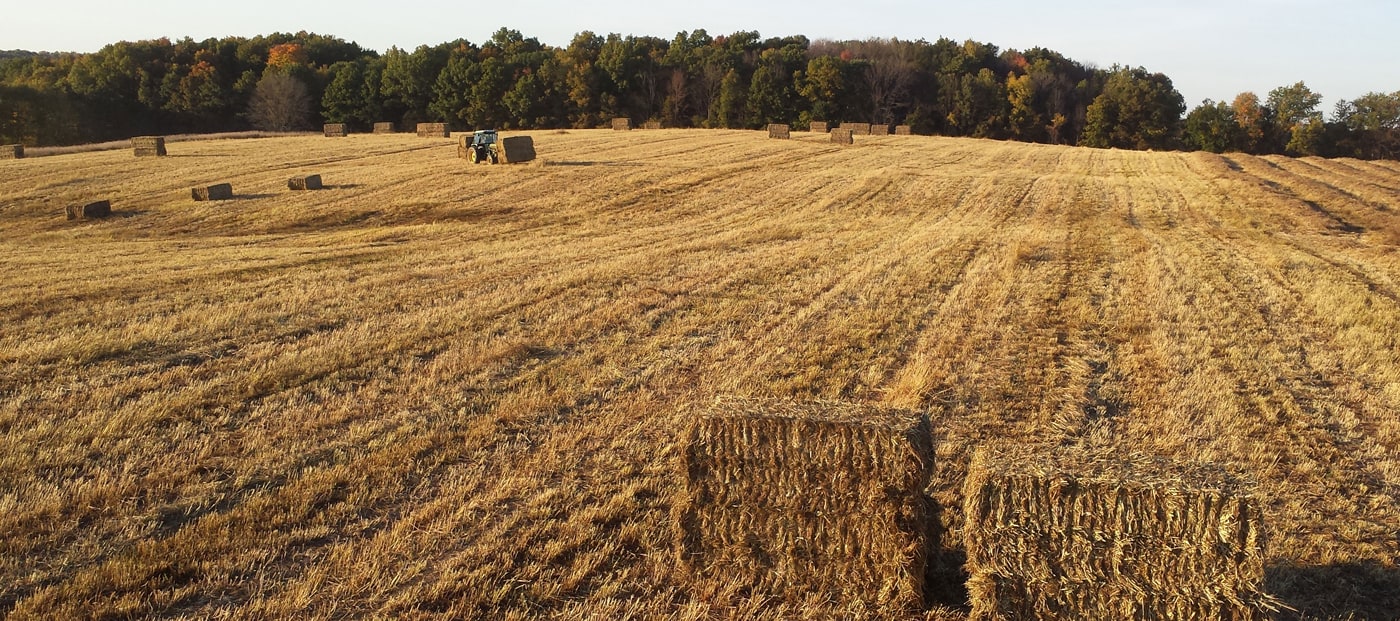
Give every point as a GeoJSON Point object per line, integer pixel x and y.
{"type": "Point", "coordinates": [651, 125]}
{"type": "Point", "coordinates": [779, 131]}
{"type": "Point", "coordinates": [309, 182]}
{"type": "Point", "coordinates": [1066, 532]}
{"type": "Point", "coordinates": [220, 192]}
{"type": "Point", "coordinates": [515, 149]}
{"type": "Point", "coordinates": [903, 130]}
{"type": "Point", "coordinates": [818, 127]}
{"type": "Point", "coordinates": [797, 498]}
{"type": "Point", "coordinates": [99, 209]}
{"type": "Point", "coordinates": [383, 128]}
{"type": "Point", "coordinates": [433, 130]}
{"type": "Point", "coordinates": [842, 136]}
{"type": "Point", "coordinates": [335, 130]}
{"type": "Point", "coordinates": [879, 129]}
{"type": "Point", "coordinates": [148, 146]}
{"type": "Point", "coordinates": [622, 124]}
{"type": "Point", "coordinates": [12, 152]}
{"type": "Point", "coordinates": [857, 129]}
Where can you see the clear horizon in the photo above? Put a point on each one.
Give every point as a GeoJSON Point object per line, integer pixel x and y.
{"type": "Point", "coordinates": [1209, 49]}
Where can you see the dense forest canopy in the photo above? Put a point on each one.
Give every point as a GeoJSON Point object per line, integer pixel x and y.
{"type": "Point", "coordinates": [739, 80]}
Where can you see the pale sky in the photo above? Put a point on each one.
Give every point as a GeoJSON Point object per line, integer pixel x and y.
{"type": "Point", "coordinates": [1210, 48]}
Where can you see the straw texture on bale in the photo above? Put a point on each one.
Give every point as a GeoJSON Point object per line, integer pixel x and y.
{"type": "Point", "coordinates": [796, 498]}
{"type": "Point", "coordinates": [464, 146]}
{"type": "Point", "coordinates": [220, 192]}
{"type": "Point", "coordinates": [818, 127]}
{"type": "Point", "coordinates": [857, 129]}
{"type": "Point", "coordinates": [99, 209]}
{"type": "Point", "coordinates": [383, 128]}
{"type": "Point", "coordinates": [433, 130]}
{"type": "Point", "coordinates": [1064, 532]}
{"type": "Point", "coordinates": [12, 152]}
{"type": "Point", "coordinates": [778, 130]}
{"type": "Point", "coordinates": [148, 146]}
{"type": "Point", "coordinates": [309, 182]}
{"type": "Point", "coordinates": [621, 124]}
{"type": "Point", "coordinates": [651, 125]}
{"type": "Point", "coordinates": [903, 130]}
{"type": "Point", "coordinates": [515, 149]}
{"type": "Point", "coordinates": [842, 136]}
{"type": "Point", "coordinates": [879, 129]}
{"type": "Point", "coordinates": [335, 130]}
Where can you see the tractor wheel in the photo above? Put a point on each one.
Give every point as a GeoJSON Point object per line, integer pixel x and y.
{"type": "Point", "coordinates": [475, 157]}
{"type": "Point", "coordinates": [494, 157]}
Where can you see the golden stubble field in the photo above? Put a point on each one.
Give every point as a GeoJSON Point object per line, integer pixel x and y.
{"type": "Point", "coordinates": [435, 390]}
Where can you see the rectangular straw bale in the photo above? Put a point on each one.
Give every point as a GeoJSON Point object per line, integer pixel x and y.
{"type": "Point", "coordinates": [903, 130]}
{"type": "Point", "coordinates": [335, 130]}
{"type": "Point", "coordinates": [219, 192]}
{"type": "Point", "coordinates": [433, 130]}
{"type": "Point", "coordinates": [383, 128]}
{"type": "Point", "coordinates": [879, 129]}
{"type": "Point", "coordinates": [99, 209]}
{"type": "Point", "coordinates": [148, 146]}
{"type": "Point", "coordinates": [515, 149]}
{"type": "Point", "coordinates": [309, 182]}
{"type": "Point", "coordinates": [12, 152]}
{"type": "Point", "coordinates": [819, 127]}
{"type": "Point", "coordinates": [842, 136]}
{"type": "Point", "coordinates": [651, 125]}
{"type": "Point", "coordinates": [796, 498]}
{"type": "Point", "coordinates": [464, 146]}
{"type": "Point", "coordinates": [857, 129]}
{"type": "Point", "coordinates": [778, 130]}
{"type": "Point", "coordinates": [622, 124]}
{"type": "Point", "coordinates": [1066, 532]}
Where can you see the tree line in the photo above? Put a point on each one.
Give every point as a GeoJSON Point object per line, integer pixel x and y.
{"type": "Point", "coordinates": [739, 80]}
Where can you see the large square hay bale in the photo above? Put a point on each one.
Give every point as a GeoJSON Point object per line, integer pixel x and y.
{"type": "Point", "coordinates": [99, 209]}
{"type": "Point", "coordinates": [799, 498]}
{"type": "Point", "coordinates": [903, 130]}
{"type": "Point", "coordinates": [779, 131]}
{"type": "Point", "coordinates": [622, 124]}
{"type": "Point", "coordinates": [1073, 533]}
{"type": "Point", "coordinates": [335, 130]}
{"type": "Point", "coordinates": [819, 127]}
{"type": "Point", "coordinates": [12, 152]}
{"type": "Point", "coordinates": [148, 146]}
{"type": "Point", "coordinates": [383, 128]}
{"type": "Point", "coordinates": [842, 136]}
{"type": "Point", "coordinates": [433, 130]}
{"type": "Point", "coordinates": [857, 129]}
{"type": "Point", "coordinates": [516, 149]}
{"type": "Point", "coordinates": [651, 125]}
{"type": "Point", "coordinates": [220, 192]}
{"type": "Point", "coordinates": [309, 182]}
{"type": "Point", "coordinates": [879, 129]}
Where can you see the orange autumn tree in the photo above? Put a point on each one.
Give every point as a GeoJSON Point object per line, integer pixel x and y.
{"type": "Point", "coordinates": [286, 55]}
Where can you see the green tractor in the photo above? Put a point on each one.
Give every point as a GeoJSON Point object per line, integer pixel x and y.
{"type": "Point", "coordinates": [482, 148]}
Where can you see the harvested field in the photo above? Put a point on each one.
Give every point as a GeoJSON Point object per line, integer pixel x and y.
{"type": "Point", "coordinates": [445, 392]}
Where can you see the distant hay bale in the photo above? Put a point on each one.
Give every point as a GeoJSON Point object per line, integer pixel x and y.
{"type": "Point", "coordinates": [1091, 534]}
{"type": "Point", "coordinates": [12, 152]}
{"type": "Point", "coordinates": [819, 127]}
{"type": "Point", "coordinates": [99, 209]}
{"type": "Point", "coordinates": [309, 182]}
{"type": "Point", "coordinates": [383, 128]}
{"type": "Point", "coordinates": [220, 192]}
{"type": "Point", "coordinates": [516, 149]}
{"type": "Point", "coordinates": [433, 130]}
{"type": "Point", "coordinates": [842, 136]}
{"type": "Point", "coordinates": [800, 498]}
{"type": "Point", "coordinates": [778, 130]}
{"type": "Point", "coordinates": [903, 130]}
{"type": "Point", "coordinates": [335, 130]}
{"type": "Point", "coordinates": [651, 125]}
{"type": "Point", "coordinates": [148, 146]}
{"type": "Point", "coordinates": [622, 124]}
{"type": "Point", "coordinates": [857, 129]}
{"type": "Point", "coordinates": [879, 129]}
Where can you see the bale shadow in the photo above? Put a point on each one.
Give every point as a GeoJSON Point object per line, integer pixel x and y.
{"type": "Point", "coordinates": [1365, 590]}
{"type": "Point", "coordinates": [587, 163]}
{"type": "Point", "coordinates": [341, 186]}
{"type": "Point", "coordinates": [248, 197]}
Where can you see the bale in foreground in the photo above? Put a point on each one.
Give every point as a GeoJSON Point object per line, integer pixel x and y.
{"type": "Point", "coordinates": [799, 498]}
{"type": "Point", "coordinates": [779, 131]}
{"type": "Point", "coordinates": [1074, 533]}
{"type": "Point", "coordinates": [842, 136]}
{"type": "Point", "coordinates": [433, 130]}
{"type": "Point", "coordinates": [148, 146]}
{"type": "Point", "coordinates": [516, 149]}
{"type": "Point", "coordinates": [99, 209]}
{"type": "Point", "coordinates": [12, 152]}
{"type": "Point", "coordinates": [309, 182]}
{"type": "Point", "coordinates": [220, 192]}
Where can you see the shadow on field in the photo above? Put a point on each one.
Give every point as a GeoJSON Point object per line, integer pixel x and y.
{"type": "Point", "coordinates": [582, 163]}
{"type": "Point", "coordinates": [248, 197]}
{"type": "Point", "coordinates": [1366, 590]}
{"type": "Point", "coordinates": [342, 186]}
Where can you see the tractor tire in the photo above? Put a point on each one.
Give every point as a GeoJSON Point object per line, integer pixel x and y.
{"type": "Point", "coordinates": [475, 157]}
{"type": "Point", "coordinates": [494, 157]}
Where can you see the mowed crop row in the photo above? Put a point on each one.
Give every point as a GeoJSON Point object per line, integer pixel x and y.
{"type": "Point", "coordinates": [438, 390]}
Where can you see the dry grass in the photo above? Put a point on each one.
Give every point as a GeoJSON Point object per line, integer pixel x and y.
{"type": "Point", "coordinates": [433, 391]}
